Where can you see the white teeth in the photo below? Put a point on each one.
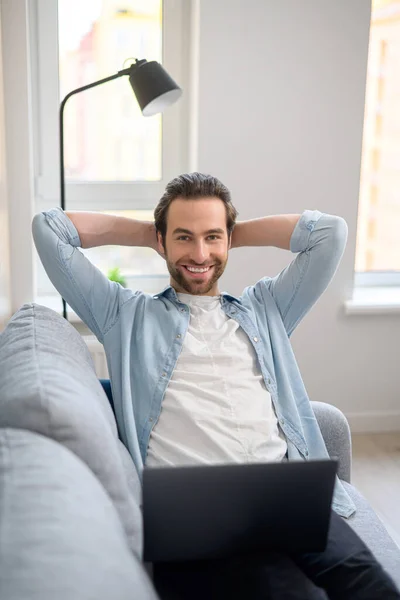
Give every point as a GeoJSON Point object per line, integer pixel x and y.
{"type": "Point", "coordinates": [197, 270]}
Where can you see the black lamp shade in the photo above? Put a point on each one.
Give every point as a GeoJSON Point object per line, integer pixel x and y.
{"type": "Point", "coordinates": [154, 89]}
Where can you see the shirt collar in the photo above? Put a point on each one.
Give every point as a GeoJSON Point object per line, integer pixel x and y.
{"type": "Point", "coordinates": [170, 293]}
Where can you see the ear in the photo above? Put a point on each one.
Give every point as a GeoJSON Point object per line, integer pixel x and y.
{"type": "Point", "coordinates": [160, 247]}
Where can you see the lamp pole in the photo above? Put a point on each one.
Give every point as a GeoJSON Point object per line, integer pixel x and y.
{"type": "Point", "coordinates": [154, 90]}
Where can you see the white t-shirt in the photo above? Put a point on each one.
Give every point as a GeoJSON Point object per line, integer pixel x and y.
{"type": "Point", "coordinates": [216, 408]}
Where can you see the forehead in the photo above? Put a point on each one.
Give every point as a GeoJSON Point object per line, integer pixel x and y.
{"type": "Point", "coordinates": [198, 214]}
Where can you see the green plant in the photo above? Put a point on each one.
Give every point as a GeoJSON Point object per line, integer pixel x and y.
{"type": "Point", "coordinates": [115, 275]}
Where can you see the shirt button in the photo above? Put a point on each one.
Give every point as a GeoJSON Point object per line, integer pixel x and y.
{"type": "Point", "coordinates": [282, 421]}
{"type": "Point", "coordinates": [255, 339]}
{"type": "Point", "coordinates": [164, 374]}
{"type": "Point", "coordinates": [182, 310]}
{"type": "Point", "coordinates": [151, 420]}
{"type": "Point", "coordinates": [306, 452]}
{"type": "Point", "coordinates": [178, 336]}
{"type": "Point", "coordinates": [234, 312]}
{"type": "Point", "coordinates": [268, 381]}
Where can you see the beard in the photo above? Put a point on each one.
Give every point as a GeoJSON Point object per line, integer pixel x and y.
{"type": "Point", "coordinates": [196, 287]}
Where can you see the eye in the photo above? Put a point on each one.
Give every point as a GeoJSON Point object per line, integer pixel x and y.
{"type": "Point", "coordinates": [217, 237]}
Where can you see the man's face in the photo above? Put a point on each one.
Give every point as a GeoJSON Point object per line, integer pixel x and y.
{"type": "Point", "coordinates": [199, 246]}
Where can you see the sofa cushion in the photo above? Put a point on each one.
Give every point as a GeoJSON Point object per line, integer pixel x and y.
{"type": "Point", "coordinates": [49, 386]}
{"type": "Point", "coordinates": [371, 530]}
{"type": "Point", "coordinates": [60, 535]}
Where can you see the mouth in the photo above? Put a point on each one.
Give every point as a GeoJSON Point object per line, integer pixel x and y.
{"type": "Point", "coordinates": [197, 275]}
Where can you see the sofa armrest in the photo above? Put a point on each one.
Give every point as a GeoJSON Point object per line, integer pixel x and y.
{"type": "Point", "coordinates": [336, 433]}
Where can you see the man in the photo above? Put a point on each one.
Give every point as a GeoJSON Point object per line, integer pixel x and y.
{"type": "Point", "coordinates": [200, 376]}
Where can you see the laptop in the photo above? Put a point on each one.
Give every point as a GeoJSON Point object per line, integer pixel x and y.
{"type": "Point", "coordinates": [220, 511]}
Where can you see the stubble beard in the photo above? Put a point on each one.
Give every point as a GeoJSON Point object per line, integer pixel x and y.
{"type": "Point", "coordinates": [196, 288]}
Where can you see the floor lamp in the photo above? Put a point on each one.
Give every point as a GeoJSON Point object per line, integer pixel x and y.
{"type": "Point", "coordinates": [154, 89]}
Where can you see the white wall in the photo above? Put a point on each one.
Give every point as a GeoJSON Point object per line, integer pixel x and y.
{"type": "Point", "coordinates": [5, 300]}
{"type": "Point", "coordinates": [280, 116]}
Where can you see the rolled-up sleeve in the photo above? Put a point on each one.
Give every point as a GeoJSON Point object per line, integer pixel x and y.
{"type": "Point", "coordinates": [319, 239]}
{"type": "Point", "coordinates": [93, 297]}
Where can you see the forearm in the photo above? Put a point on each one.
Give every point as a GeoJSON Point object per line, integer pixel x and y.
{"type": "Point", "coordinates": [275, 230]}
{"type": "Point", "coordinates": [96, 229]}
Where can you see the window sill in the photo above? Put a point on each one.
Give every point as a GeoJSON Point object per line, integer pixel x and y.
{"type": "Point", "coordinates": [376, 300]}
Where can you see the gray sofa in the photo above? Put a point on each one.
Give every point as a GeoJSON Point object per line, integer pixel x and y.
{"type": "Point", "coordinates": [70, 519]}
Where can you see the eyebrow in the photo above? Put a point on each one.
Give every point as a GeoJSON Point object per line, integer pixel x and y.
{"type": "Point", "coordinates": [182, 230]}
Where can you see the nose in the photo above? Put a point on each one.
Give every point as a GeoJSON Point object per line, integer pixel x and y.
{"type": "Point", "coordinates": [199, 254]}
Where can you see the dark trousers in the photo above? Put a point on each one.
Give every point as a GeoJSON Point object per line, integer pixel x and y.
{"type": "Point", "coordinates": [345, 570]}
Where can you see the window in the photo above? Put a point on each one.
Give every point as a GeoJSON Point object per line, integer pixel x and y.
{"type": "Point", "coordinates": [116, 160]}
{"type": "Point", "coordinates": [106, 136]}
{"type": "Point", "coordinates": [378, 240]}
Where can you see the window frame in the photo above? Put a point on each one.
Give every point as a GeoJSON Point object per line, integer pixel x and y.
{"type": "Point", "coordinates": [101, 195]}
{"type": "Point", "coordinates": [372, 279]}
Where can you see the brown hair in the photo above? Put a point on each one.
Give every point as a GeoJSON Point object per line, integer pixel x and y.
{"type": "Point", "coordinates": [192, 186]}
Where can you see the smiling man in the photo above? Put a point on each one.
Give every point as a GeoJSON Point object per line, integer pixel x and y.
{"type": "Point", "coordinates": [203, 377]}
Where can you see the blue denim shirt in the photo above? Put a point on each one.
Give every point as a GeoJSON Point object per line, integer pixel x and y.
{"type": "Point", "coordinates": [143, 334]}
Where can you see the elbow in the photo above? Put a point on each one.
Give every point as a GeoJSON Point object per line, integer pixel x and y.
{"type": "Point", "coordinates": [340, 232]}
{"type": "Point", "coordinates": [37, 225]}
{"type": "Point", "coordinates": [340, 228]}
